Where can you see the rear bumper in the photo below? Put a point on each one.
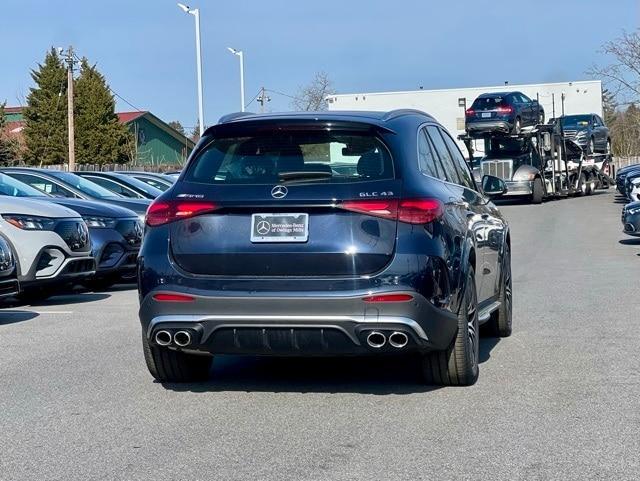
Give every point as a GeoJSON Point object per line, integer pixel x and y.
{"type": "Point", "coordinates": [313, 324]}
{"type": "Point", "coordinates": [489, 126]}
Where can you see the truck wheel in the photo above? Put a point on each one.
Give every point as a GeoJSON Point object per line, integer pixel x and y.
{"type": "Point", "coordinates": [517, 126]}
{"type": "Point", "coordinates": [538, 191]}
{"type": "Point", "coordinates": [500, 324]}
{"type": "Point", "coordinates": [458, 364]}
{"type": "Point", "coordinates": [582, 185]}
{"type": "Point", "coordinates": [167, 365]}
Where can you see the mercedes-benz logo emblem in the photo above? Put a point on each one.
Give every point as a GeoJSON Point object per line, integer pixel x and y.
{"type": "Point", "coordinates": [138, 230]}
{"type": "Point", "coordinates": [82, 234]}
{"type": "Point", "coordinates": [263, 227]}
{"type": "Point", "coordinates": [279, 191]}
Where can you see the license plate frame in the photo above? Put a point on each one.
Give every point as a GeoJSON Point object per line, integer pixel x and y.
{"type": "Point", "coordinates": [279, 227]}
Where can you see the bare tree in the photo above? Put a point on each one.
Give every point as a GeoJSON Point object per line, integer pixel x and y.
{"type": "Point", "coordinates": [623, 75]}
{"type": "Point", "coordinates": [313, 96]}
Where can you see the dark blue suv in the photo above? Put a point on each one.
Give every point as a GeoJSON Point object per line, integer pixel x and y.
{"type": "Point", "coordinates": [338, 233]}
{"type": "Point", "coordinates": [504, 112]}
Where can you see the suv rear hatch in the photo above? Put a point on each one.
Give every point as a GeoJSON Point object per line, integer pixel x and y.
{"type": "Point", "coordinates": [287, 200]}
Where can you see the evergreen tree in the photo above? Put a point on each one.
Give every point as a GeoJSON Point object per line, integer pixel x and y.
{"type": "Point", "coordinates": [609, 106]}
{"type": "Point", "coordinates": [9, 148]}
{"type": "Point", "coordinates": [45, 128]}
{"type": "Point", "coordinates": [195, 133]}
{"type": "Point", "coordinates": [176, 125]}
{"type": "Point", "coordinates": [100, 137]}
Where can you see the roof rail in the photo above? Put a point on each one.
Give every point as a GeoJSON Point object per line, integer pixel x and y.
{"type": "Point", "coordinates": [234, 116]}
{"type": "Point", "coordinates": [392, 114]}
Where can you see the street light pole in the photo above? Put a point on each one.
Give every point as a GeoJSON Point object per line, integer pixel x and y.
{"type": "Point", "coordinates": [240, 55]}
{"type": "Point", "coordinates": [196, 13]}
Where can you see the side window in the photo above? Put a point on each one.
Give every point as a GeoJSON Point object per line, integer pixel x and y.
{"type": "Point", "coordinates": [44, 185]}
{"type": "Point", "coordinates": [461, 164]}
{"type": "Point", "coordinates": [428, 161]}
{"type": "Point", "coordinates": [113, 186]}
{"type": "Point", "coordinates": [450, 171]}
{"type": "Point", "coordinates": [525, 98]}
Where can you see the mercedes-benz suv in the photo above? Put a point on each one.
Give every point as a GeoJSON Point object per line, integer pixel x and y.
{"type": "Point", "coordinates": [335, 233]}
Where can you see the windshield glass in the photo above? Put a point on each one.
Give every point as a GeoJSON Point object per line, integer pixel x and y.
{"type": "Point", "coordinates": [299, 156]}
{"type": "Point", "coordinates": [506, 146]}
{"type": "Point", "coordinates": [14, 188]}
{"type": "Point", "coordinates": [85, 186]}
{"type": "Point", "coordinates": [488, 103]}
{"type": "Point", "coordinates": [575, 120]}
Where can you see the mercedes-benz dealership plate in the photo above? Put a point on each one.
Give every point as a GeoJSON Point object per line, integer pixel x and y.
{"type": "Point", "coordinates": [279, 227]}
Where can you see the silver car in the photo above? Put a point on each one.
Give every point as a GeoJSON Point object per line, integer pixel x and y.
{"type": "Point", "coordinates": [51, 243]}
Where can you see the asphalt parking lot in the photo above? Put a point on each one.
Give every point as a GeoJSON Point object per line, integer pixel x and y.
{"type": "Point", "coordinates": [560, 399]}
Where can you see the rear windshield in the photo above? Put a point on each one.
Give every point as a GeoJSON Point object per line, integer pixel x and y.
{"type": "Point", "coordinates": [308, 157]}
{"type": "Point", "coordinates": [489, 103]}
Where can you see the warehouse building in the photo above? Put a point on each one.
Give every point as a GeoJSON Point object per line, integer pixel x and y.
{"type": "Point", "coordinates": [448, 105]}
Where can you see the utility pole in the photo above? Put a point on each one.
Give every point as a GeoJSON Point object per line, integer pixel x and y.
{"type": "Point", "coordinates": [71, 126]}
{"type": "Point", "coordinates": [262, 98]}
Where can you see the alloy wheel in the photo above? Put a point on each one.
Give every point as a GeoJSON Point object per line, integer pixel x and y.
{"type": "Point", "coordinates": [472, 325]}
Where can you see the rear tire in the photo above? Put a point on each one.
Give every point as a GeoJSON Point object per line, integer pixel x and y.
{"type": "Point", "coordinates": [517, 126]}
{"type": "Point", "coordinates": [458, 364]}
{"type": "Point", "coordinates": [538, 191]}
{"type": "Point", "coordinates": [500, 324]}
{"type": "Point", "coordinates": [168, 365]}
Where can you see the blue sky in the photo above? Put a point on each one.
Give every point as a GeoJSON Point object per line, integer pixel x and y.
{"type": "Point", "coordinates": [146, 47]}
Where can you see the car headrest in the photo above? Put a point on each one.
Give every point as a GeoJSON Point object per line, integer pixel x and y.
{"type": "Point", "coordinates": [371, 164]}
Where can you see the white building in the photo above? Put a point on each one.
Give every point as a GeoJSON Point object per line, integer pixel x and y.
{"type": "Point", "coordinates": [448, 105]}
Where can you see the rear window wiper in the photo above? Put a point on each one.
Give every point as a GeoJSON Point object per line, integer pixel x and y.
{"type": "Point", "coordinates": [304, 175]}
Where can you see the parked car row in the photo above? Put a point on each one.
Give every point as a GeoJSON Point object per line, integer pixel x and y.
{"type": "Point", "coordinates": [628, 184]}
{"type": "Point", "coordinates": [60, 228]}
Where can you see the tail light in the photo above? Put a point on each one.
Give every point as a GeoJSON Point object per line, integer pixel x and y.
{"type": "Point", "coordinates": [505, 110]}
{"type": "Point", "coordinates": [470, 112]}
{"type": "Point", "coordinates": [411, 211]}
{"type": "Point", "coordinates": [165, 211]}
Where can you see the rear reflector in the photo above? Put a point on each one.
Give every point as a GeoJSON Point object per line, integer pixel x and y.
{"type": "Point", "coordinates": [165, 211]}
{"type": "Point", "coordinates": [411, 211]}
{"type": "Point", "coordinates": [173, 298]}
{"type": "Point", "coordinates": [388, 298]}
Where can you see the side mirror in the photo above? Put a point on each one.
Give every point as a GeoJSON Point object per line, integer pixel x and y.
{"type": "Point", "coordinates": [493, 186]}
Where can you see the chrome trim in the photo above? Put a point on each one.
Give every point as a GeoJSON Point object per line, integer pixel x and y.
{"type": "Point", "coordinates": [289, 322]}
{"type": "Point", "coordinates": [486, 312]}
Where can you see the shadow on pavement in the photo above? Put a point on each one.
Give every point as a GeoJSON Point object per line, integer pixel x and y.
{"type": "Point", "coordinates": [629, 242]}
{"type": "Point", "coordinates": [377, 375]}
{"type": "Point", "coordinates": [71, 298]}
{"type": "Point", "coordinates": [12, 317]}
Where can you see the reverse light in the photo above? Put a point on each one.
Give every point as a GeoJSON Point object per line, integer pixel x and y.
{"type": "Point", "coordinates": [172, 297]}
{"type": "Point", "coordinates": [388, 298]}
{"type": "Point", "coordinates": [411, 211]}
{"type": "Point", "coordinates": [164, 211]}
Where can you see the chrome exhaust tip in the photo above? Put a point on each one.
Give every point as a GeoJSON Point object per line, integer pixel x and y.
{"type": "Point", "coordinates": [163, 338]}
{"type": "Point", "coordinates": [376, 339]}
{"type": "Point", "coordinates": [398, 339]}
{"type": "Point", "coordinates": [182, 338]}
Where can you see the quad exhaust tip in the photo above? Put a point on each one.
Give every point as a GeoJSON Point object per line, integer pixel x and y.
{"type": "Point", "coordinates": [163, 338]}
{"type": "Point", "coordinates": [376, 339]}
{"type": "Point", "coordinates": [182, 338]}
{"type": "Point", "coordinates": [398, 339]}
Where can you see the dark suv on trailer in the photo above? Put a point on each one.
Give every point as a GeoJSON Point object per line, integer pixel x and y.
{"type": "Point", "coordinates": [505, 112]}
{"type": "Point", "coordinates": [334, 233]}
{"type": "Point", "coordinates": [589, 131]}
